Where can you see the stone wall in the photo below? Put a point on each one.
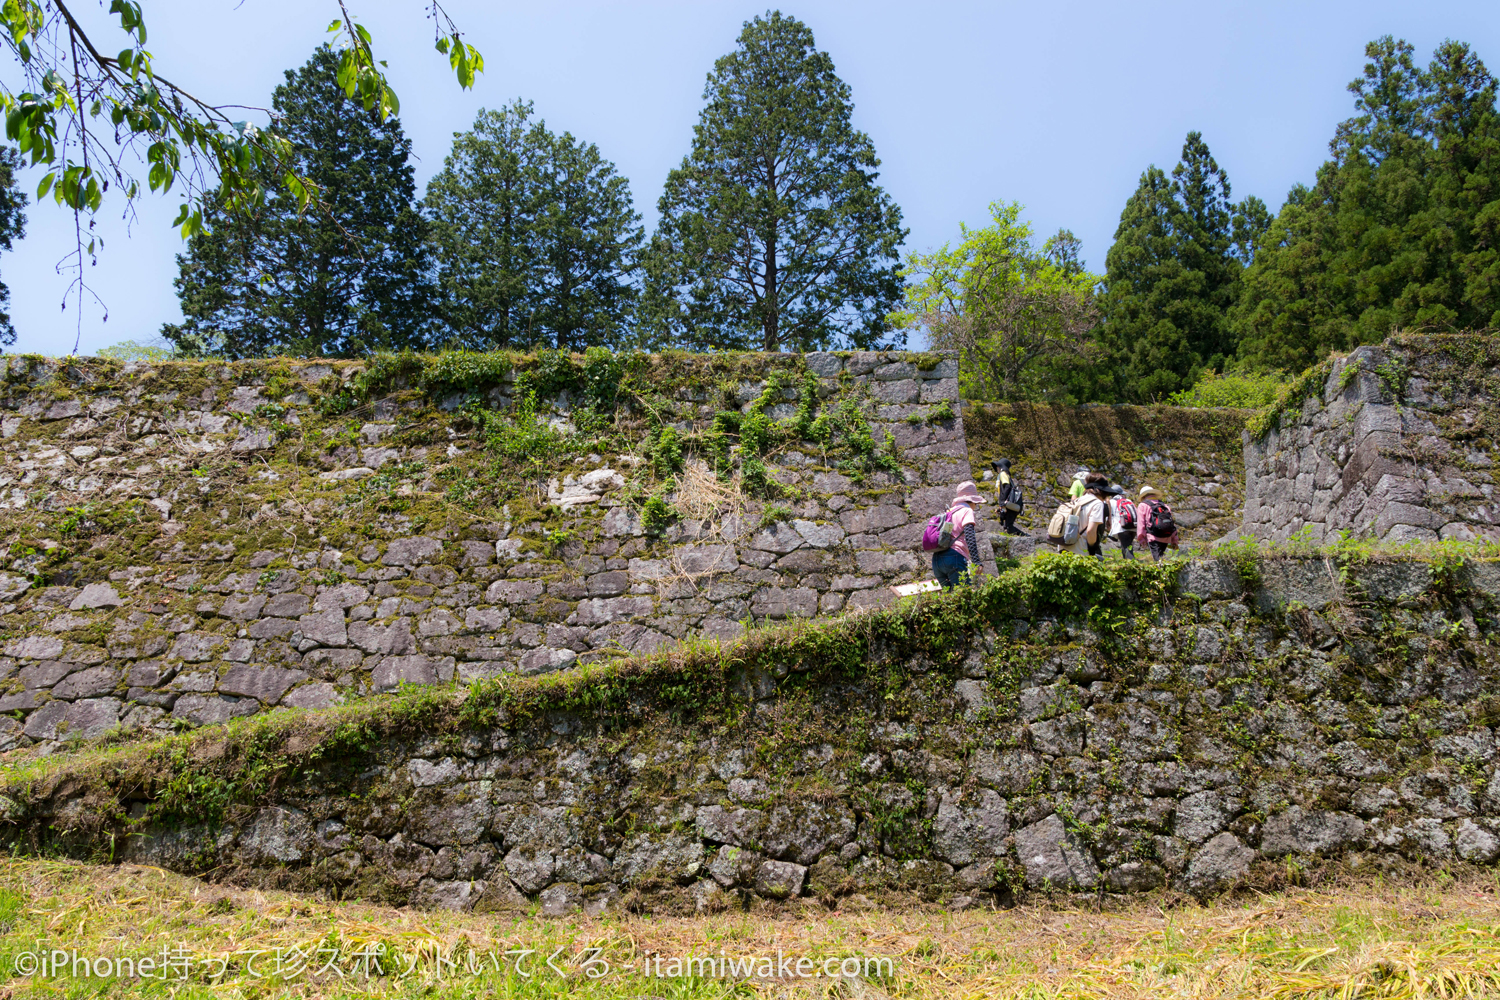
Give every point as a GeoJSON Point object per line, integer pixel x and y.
{"type": "Point", "coordinates": [953, 750]}
{"type": "Point", "coordinates": [1395, 442]}
{"type": "Point", "coordinates": [189, 543]}
{"type": "Point", "coordinates": [1193, 456]}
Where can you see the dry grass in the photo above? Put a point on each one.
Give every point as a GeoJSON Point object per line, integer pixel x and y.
{"type": "Point", "coordinates": [702, 496]}
{"type": "Point", "coordinates": [1353, 942]}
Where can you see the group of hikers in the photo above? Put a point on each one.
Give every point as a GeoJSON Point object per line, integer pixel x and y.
{"type": "Point", "coordinates": [1095, 512]}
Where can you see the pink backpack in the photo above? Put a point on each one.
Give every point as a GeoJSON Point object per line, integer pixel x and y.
{"type": "Point", "coordinates": [938, 534]}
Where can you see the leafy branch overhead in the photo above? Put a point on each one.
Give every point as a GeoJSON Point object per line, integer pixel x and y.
{"type": "Point", "coordinates": [93, 120]}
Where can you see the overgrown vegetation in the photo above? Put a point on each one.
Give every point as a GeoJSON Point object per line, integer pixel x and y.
{"type": "Point", "coordinates": [1328, 944]}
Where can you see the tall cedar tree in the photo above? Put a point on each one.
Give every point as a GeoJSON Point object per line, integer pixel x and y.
{"type": "Point", "coordinates": [1401, 227]}
{"type": "Point", "coordinates": [773, 231]}
{"type": "Point", "coordinates": [12, 228]}
{"type": "Point", "coordinates": [350, 275]}
{"type": "Point", "coordinates": [1173, 273]}
{"type": "Point", "coordinates": [536, 237]}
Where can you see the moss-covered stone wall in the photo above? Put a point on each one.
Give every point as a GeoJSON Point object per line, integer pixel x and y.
{"type": "Point", "coordinates": [187, 543]}
{"type": "Point", "coordinates": [1396, 441]}
{"type": "Point", "coordinates": [1194, 457]}
{"type": "Point", "coordinates": [1071, 726]}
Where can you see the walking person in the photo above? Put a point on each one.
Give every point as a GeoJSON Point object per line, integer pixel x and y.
{"type": "Point", "coordinates": [1007, 497]}
{"type": "Point", "coordinates": [1154, 524]}
{"type": "Point", "coordinates": [951, 565]}
{"type": "Point", "coordinates": [1092, 518]}
{"type": "Point", "coordinates": [1122, 521]}
{"type": "Point", "coordinates": [1076, 490]}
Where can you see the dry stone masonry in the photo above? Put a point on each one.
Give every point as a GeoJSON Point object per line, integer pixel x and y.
{"type": "Point", "coordinates": [1287, 716]}
{"type": "Point", "coordinates": [191, 543]}
{"type": "Point", "coordinates": [1395, 442]}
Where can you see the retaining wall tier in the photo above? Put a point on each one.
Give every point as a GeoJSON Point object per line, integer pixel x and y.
{"type": "Point", "coordinates": [1395, 442]}
{"type": "Point", "coordinates": [193, 542]}
{"type": "Point", "coordinates": [1248, 721]}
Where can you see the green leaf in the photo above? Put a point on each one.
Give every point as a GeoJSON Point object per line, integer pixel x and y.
{"type": "Point", "coordinates": [45, 185]}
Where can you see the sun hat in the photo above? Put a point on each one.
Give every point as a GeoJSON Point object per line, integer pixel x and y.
{"type": "Point", "coordinates": [1081, 475]}
{"type": "Point", "coordinates": [1148, 490]}
{"type": "Point", "coordinates": [967, 492]}
{"type": "Point", "coordinates": [1115, 490]}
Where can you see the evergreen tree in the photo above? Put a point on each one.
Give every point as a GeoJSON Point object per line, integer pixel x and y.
{"type": "Point", "coordinates": [12, 228]}
{"type": "Point", "coordinates": [349, 275]}
{"type": "Point", "coordinates": [1401, 228]}
{"type": "Point", "coordinates": [536, 237]}
{"type": "Point", "coordinates": [1173, 272]}
{"type": "Point", "coordinates": [773, 231]}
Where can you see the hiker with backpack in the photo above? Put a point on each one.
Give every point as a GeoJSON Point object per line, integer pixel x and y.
{"type": "Point", "coordinates": [1008, 496]}
{"type": "Point", "coordinates": [1155, 525]}
{"type": "Point", "coordinates": [1078, 524]}
{"type": "Point", "coordinates": [1122, 521]}
{"type": "Point", "coordinates": [950, 537]}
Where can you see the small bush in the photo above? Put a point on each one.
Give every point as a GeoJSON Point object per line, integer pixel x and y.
{"type": "Point", "coordinates": [656, 514]}
{"type": "Point", "coordinates": [1240, 390]}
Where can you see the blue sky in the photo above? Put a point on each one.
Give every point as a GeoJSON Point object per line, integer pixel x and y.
{"type": "Point", "coordinates": [1060, 106]}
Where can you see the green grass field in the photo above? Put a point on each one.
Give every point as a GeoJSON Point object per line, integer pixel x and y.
{"type": "Point", "coordinates": [1440, 940]}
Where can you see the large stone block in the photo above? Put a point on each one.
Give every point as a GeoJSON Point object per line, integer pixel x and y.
{"type": "Point", "coordinates": [970, 828]}
{"type": "Point", "coordinates": [871, 519]}
{"type": "Point", "coordinates": [1054, 857]}
{"type": "Point", "coordinates": [602, 611]}
{"type": "Point", "coordinates": [411, 551]}
{"type": "Point", "coordinates": [1318, 831]}
{"type": "Point", "coordinates": [264, 683]}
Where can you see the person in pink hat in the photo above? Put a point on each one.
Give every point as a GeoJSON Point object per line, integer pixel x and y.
{"type": "Point", "coordinates": [951, 565]}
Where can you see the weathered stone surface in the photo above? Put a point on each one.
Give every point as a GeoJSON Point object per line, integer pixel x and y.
{"type": "Point", "coordinates": [968, 829]}
{"type": "Point", "coordinates": [96, 595]}
{"type": "Point", "coordinates": [819, 536]}
{"type": "Point", "coordinates": [802, 831]}
{"type": "Point", "coordinates": [393, 670]}
{"type": "Point", "coordinates": [89, 683]}
{"type": "Point", "coordinates": [778, 537]}
{"type": "Point", "coordinates": [206, 709]}
{"type": "Point", "coordinates": [1218, 865]}
{"type": "Point", "coordinates": [319, 694]}
{"type": "Point", "coordinates": [1053, 857]}
{"type": "Point", "coordinates": [602, 611]}
{"type": "Point", "coordinates": [668, 858]}
{"type": "Point", "coordinates": [264, 683]}
{"type": "Point", "coordinates": [277, 834]}
{"type": "Point", "coordinates": [459, 895]}
{"type": "Point", "coordinates": [1203, 814]}
{"type": "Point", "coordinates": [395, 638]}
{"type": "Point", "coordinates": [459, 820]}
{"type": "Point", "coordinates": [780, 879]}
{"type": "Point", "coordinates": [544, 660]}
{"type": "Point", "coordinates": [1299, 831]}
{"type": "Point", "coordinates": [35, 647]}
{"type": "Point", "coordinates": [340, 596]}
{"type": "Point", "coordinates": [823, 364]}
{"type": "Point", "coordinates": [244, 608]}
{"type": "Point", "coordinates": [195, 647]}
{"type": "Point", "coordinates": [513, 591]}
{"type": "Point", "coordinates": [325, 628]}
{"type": "Point", "coordinates": [411, 551]}
{"type": "Point", "coordinates": [737, 827]}
{"type": "Point", "coordinates": [1476, 844]}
